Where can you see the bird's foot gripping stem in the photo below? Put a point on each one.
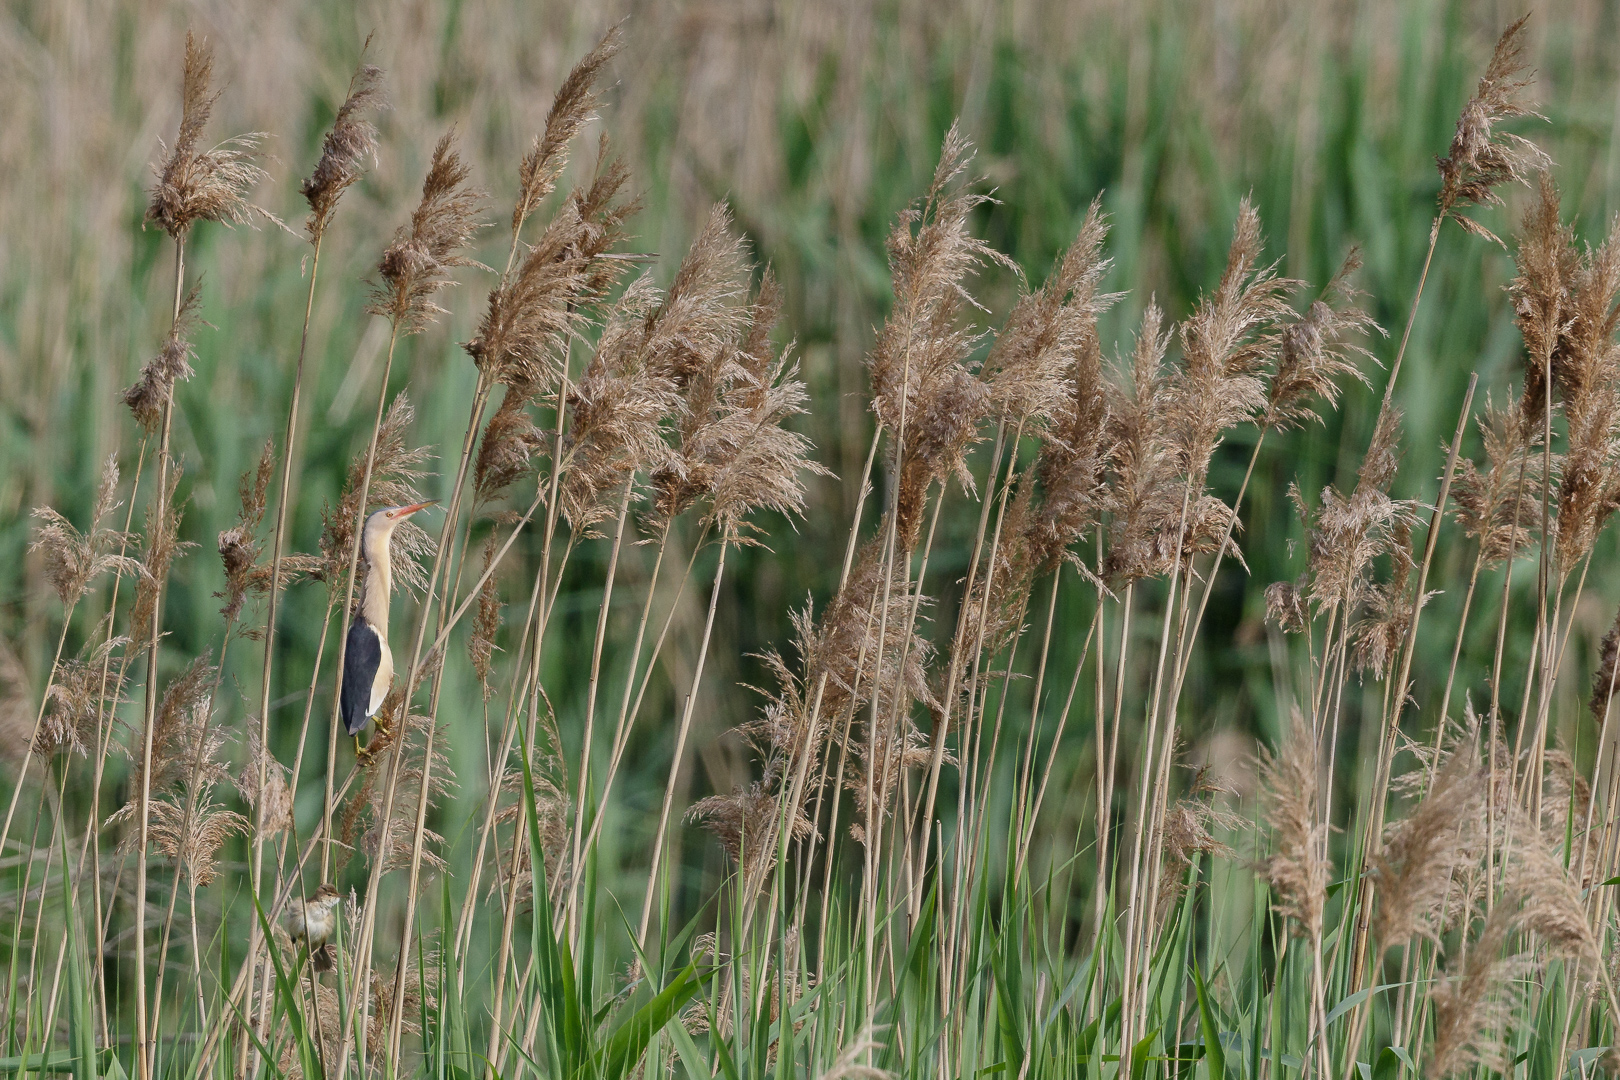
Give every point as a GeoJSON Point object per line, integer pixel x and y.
{"type": "Point", "coordinates": [380, 741]}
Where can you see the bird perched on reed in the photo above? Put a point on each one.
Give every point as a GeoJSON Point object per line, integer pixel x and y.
{"type": "Point", "coordinates": [313, 921]}
{"type": "Point", "coordinates": [368, 666]}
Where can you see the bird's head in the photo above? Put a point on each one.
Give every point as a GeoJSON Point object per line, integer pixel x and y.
{"type": "Point", "coordinates": [382, 523]}
{"type": "Point", "coordinates": [326, 894]}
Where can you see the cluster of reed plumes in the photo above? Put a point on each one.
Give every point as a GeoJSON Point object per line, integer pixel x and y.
{"type": "Point", "coordinates": [919, 884]}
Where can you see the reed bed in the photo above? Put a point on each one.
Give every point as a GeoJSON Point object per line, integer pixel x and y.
{"type": "Point", "coordinates": [978, 821]}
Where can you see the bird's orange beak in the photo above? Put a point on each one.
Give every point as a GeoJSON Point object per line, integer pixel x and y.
{"type": "Point", "coordinates": [406, 511]}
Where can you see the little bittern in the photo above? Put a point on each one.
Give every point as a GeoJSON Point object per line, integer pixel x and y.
{"type": "Point", "coordinates": [368, 666]}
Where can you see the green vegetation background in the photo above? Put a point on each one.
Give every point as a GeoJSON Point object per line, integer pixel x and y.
{"type": "Point", "coordinates": [817, 121]}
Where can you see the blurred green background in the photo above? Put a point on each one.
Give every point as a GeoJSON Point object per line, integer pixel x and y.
{"type": "Point", "coordinates": [816, 120]}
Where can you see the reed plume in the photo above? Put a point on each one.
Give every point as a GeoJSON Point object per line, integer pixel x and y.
{"type": "Point", "coordinates": [416, 265]}
{"type": "Point", "coordinates": [921, 365]}
{"type": "Point", "coordinates": [507, 448]}
{"type": "Point", "coordinates": [1045, 376]}
{"type": "Point", "coordinates": [572, 108]}
{"type": "Point", "coordinates": [1172, 422]}
{"type": "Point", "coordinates": [150, 394]}
{"type": "Point", "coordinates": [1228, 345]}
{"type": "Point", "coordinates": [1140, 499]}
{"type": "Point", "coordinates": [745, 823]}
{"type": "Point", "coordinates": [1475, 1003]}
{"type": "Point", "coordinates": [184, 744]}
{"type": "Point", "coordinates": [533, 311]}
{"type": "Point", "coordinates": [754, 461]}
{"type": "Point", "coordinates": [1603, 681]}
{"type": "Point", "coordinates": [1377, 637]}
{"type": "Point", "coordinates": [276, 794]}
{"type": "Point", "coordinates": [486, 623]}
{"type": "Point", "coordinates": [693, 337]}
{"type": "Point", "coordinates": [239, 546]}
{"type": "Point", "coordinates": [393, 836]}
{"type": "Point", "coordinates": [1317, 349]}
{"type": "Point", "coordinates": [163, 545]}
{"type": "Point", "coordinates": [1422, 855]}
{"type": "Point", "coordinates": [617, 410]}
{"type": "Point", "coordinates": [73, 560]}
{"type": "Point", "coordinates": [1546, 261]}
{"type": "Point", "coordinates": [1490, 503]}
{"type": "Point", "coordinates": [193, 839]}
{"type": "Point", "coordinates": [194, 184]}
{"type": "Point", "coordinates": [1347, 534]}
{"type": "Point", "coordinates": [1189, 829]}
{"type": "Point", "coordinates": [349, 143]}
{"type": "Point", "coordinates": [1298, 868]}
{"type": "Point", "coordinates": [1287, 605]}
{"type": "Point", "coordinates": [1586, 370]}
{"type": "Point", "coordinates": [1553, 907]}
{"type": "Point", "coordinates": [734, 447]}
{"type": "Point", "coordinates": [1481, 158]}
{"type": "Point", "coordinates": [1029, 367]}
{"type": "Point", "coordinates": [81, 694]}
{"type": "Point", "coordinates": [1075, 450]}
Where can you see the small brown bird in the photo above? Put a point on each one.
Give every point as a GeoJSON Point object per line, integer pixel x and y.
{"type": "Point", "coordinates": [313, 922]}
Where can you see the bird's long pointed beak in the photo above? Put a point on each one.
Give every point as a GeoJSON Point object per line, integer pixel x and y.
{"type": "Point", "coordinates": [406, 511]}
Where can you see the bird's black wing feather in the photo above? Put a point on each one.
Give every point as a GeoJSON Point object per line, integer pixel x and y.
{"type": "Point", "coordinates": [361, 658]}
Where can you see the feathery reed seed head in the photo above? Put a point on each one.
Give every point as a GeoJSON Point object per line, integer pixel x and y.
{"type": "Point", "coordinates": [573, 107]}
{"type": "Point", "coordinates": [73, 560]}
{"type": "Point", "coordinates": [348, 144]}
{"type": "Point", "coordinates": [239, 546]}
{"type": "Point", "coordinates": [203, 185]}
{"type": "Point", "coordinates": [416, 266]}
{"type": "Point", "coordinates": [925, 389]}
{"type": "Point", "coordinates": [533, 313]}
{"type": "Point", "coordinates": [1481, 158]}
{"type": "Point", "coordinates": [1298, 867]}
{"type": "Point", "coordinates": [1316, 350]}
{"type": "Point", "coordinates": [153, 392]}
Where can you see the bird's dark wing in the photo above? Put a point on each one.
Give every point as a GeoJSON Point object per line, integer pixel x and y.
{"type": "Point", "coordinates": [361, 657]}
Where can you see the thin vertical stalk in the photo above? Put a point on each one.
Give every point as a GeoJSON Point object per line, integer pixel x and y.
{"type": "Point", "coordinates": [1133, 920]}
{"type": "Point", "coordinates": [628, 710]}
{"type": "Point", "coordinates": [1544, 629]}
{"type": "Point", "coordinates": [1025, 774]}
{"type": "Point", "coordinates": [795, 791]}
{"type": "Point", "coordinates": [680, 747]}
{"type": "Point", "coordinates": [441, 561]}
{"type": "Point", "coordinates": [954, 672]}
{"type": "Point", "coordinates": [288, 445]}
{"type": "Point", "coordinates": [590, 693]}
{"type": "Point", "coordinates": [39, 721]}
{"type": "Point", "coordinates": [143, 1049]}
{"type": "Point", "coordinates": [342, 651]}
{"type": "Point", "coordinates": [1034, 812]}
{"type": "Point", "coordinates": [1411, 315]}
{"type": "Point", "coordinates": [104, 732]}
{"type": "Point", "coordinates": [1105, 795]}
{"type": "Point", "coordinates": [1387, 736]}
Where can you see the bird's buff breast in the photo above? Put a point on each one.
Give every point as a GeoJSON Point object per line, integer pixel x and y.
{"type": "Point", "coordinates": [383, 680]}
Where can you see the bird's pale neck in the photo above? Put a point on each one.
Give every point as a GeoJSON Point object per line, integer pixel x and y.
{"type": "Point", "coordinates": [379, 578]}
